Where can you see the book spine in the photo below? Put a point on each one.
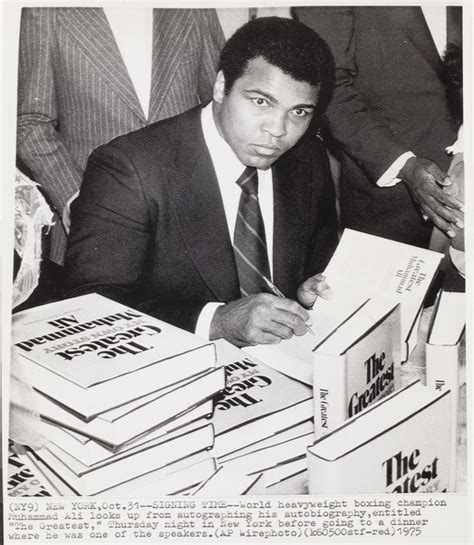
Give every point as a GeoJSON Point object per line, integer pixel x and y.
{"type": "Point", "coordinates": [442, 374]}
{"type": "Point", "coordinates": [329, 391]}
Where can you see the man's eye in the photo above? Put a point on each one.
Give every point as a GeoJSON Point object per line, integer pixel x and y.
{"type": "Point", "coordinates": [299, 112]}
{"type": "Point", "coordinates": [259, 101]}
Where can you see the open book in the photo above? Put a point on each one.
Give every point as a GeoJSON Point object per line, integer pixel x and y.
{"type": "Point", "coordinates": [363, 267]}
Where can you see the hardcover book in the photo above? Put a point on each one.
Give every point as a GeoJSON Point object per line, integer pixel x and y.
{"type": "Point", "coordinates": [256, 403]}
{"type": "Point", "coordinates": [124, 469]}
{"type": "Point", "coordinates": [356, 365]}
{"type": "Point", "coordinates": [381, 270]}
{"type": "Point", "coordinates": [91, 354]}
{"type": "Point", "coordinates": [445, 336]}
{"type": "Point", "coordinates": [397, 445]}
{"type": "Point", "coordinates": [89, 452]}
{"type": "Point", "coordinates": [115, 433]}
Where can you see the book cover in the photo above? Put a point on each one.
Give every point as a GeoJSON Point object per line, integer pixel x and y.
{"type": "Point", "coordinates": [382, 268]}
{"type": "Point", "coordinates": [256, 402]}
{"type": "Point", "coordinates": [443, 346]}
{"type": "Point", "coordinates": [356, 365]}
{"type": "Point", "coordinates": [92, 354]}
{"type": "Point", "coordinates": [397, 445]}
{"type": "Point", "coordinates": [23, 480]}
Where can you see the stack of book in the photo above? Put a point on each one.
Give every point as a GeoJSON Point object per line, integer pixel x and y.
{"type": "Point", "coordinates": [443, 357]}
{"type": "Point", "coordinates": [125, 396]}
{"type": "Point", "coordinates": [263, 424]}
{"type": "Point", "coordinates": [397, 445]}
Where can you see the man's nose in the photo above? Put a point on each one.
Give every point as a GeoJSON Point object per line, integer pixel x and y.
{"type": "Point", "coordinates": [275, 125]}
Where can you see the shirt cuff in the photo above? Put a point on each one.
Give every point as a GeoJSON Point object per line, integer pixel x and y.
{"type": "Point", "coordinates": [458, 146]}
{"type": "Point", "coordinates": [458, 258]}
{"type": "Point", "coordinates": [203, 324]}
{"type": "Point", "coordinates": [389, 177]}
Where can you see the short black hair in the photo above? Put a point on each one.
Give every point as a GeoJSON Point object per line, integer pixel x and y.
{"type": "Point", "coordinates": [291, 46]}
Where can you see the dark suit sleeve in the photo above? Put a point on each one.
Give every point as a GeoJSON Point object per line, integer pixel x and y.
{"type": "Point", "coordinates": [110, 237]}
{"type": "Point", "coordinates": [353, 122]}
{"type": "Point", "coordinates": [39, 143]}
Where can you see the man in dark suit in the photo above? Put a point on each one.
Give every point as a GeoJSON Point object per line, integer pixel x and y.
{"type": "Point", "coordinates": [161, 224]}
{"type": "Point", "coordinates": [390, 116]}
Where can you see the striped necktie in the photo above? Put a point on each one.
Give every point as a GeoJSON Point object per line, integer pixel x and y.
{"type": "Point", "coordinates": [250, 248]}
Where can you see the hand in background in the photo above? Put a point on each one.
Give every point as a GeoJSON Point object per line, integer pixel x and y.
{"type": "Point", "coordinates": [424, 178]}
{"type": "Point", "coordinates": [258, 319]}
{"type": "Point", "coordinates": [313, 287]}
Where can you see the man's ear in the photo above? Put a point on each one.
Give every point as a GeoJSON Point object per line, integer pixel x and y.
{"type": "Point", "coordinates": [219, 87]}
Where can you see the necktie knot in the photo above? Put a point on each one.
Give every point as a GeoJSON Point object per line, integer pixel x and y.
{"type": "Point", "coordinates": [248, 181]}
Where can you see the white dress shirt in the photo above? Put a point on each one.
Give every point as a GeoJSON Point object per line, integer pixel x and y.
{"type": "Point", "coordinates": [132, 27]}
{"type": "Point", "coordinates": [228, 169]}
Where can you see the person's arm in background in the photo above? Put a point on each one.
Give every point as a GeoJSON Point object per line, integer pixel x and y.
{"type": "Point", "coordinates": [39, 143]}
{"type": "Point", "coordinates": [364, 135]}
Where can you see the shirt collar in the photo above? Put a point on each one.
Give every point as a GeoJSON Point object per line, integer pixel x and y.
{"type": "Point", "coordinates": [226, 163]}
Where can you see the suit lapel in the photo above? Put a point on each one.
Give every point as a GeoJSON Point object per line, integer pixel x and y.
{"type": "Point", "coordinates": [171, 28]}
{"type": "Point", "coordinates": [413, 23]}
{"type": "Point", "coordinates": [91, 33]}
{"type": "Point", "coordinates": [198, 207]}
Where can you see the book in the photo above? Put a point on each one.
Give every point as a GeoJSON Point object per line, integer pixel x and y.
{"type": "Point", "coordinates": [91, 354]}
{"type": "Point", "coordinates": [89, 452]}
{"type": "Point", "coordinates": [268, 458]}
{"type": "Point", "coordinates": [294, 356]}
{"type": "Point", "coordinates": [302, 428]}
{"type": "Point", "coordinates": [356, 365]}
{"type": "Point", "coordinates": [445, 333]}
{"type": "Point", "coordinates": [292, 485]}
{"type": "Point", "coordinates": [23, 479]}
{"type": "Point", "coordinates": [256, 402]}
{"type": "Point", "coordinates": [184, 476]}
{"type": "Point", "coordinates": [226, 482]}
{"type": "Point", "coordinates": [397, 445]}
{"type": "Point", "coordinates": [162, 410]}
{"type": "Point", "coordinates": [290, 477]}
{"type": "Point", "coordinates": [42, 471]}
{"type": "Point", "coordinates": [380, 270]}
{"type": "Point", "coordinates": [125, 469]}
{"type": "Point", "coordinates": [152, 439]}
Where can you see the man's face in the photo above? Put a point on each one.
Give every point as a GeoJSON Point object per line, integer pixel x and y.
{"type": "Point", "coordinates": [265, 113]}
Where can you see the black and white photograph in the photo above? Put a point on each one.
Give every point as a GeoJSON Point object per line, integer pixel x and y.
{"type": "Point", "coordinates": [236, 293]}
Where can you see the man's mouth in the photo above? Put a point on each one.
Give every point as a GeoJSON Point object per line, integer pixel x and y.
{"type": "Point", "coordinates": [267, 151]}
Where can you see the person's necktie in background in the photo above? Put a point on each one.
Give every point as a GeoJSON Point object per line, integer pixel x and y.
{"type": "Point", "coordinates": [250, 247]}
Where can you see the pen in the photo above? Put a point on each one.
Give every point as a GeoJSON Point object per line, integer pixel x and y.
{"type": "Point", "coordinates": [271, 286]}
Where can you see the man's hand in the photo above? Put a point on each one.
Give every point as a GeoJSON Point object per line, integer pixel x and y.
{"type": "Point", "coordinates": [424, 178]}
{"type": "Point", "coordinates": [313, 287]}
{"type": "Point", "coordinates": [258, 319]}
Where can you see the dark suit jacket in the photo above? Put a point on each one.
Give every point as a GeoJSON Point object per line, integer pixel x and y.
{"type": "Point", "coordinates": [75, 93]}
{"type": "Point", "coordinates": [149, 226]}
{"type": "Point", "coordinates": [388, 100]}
